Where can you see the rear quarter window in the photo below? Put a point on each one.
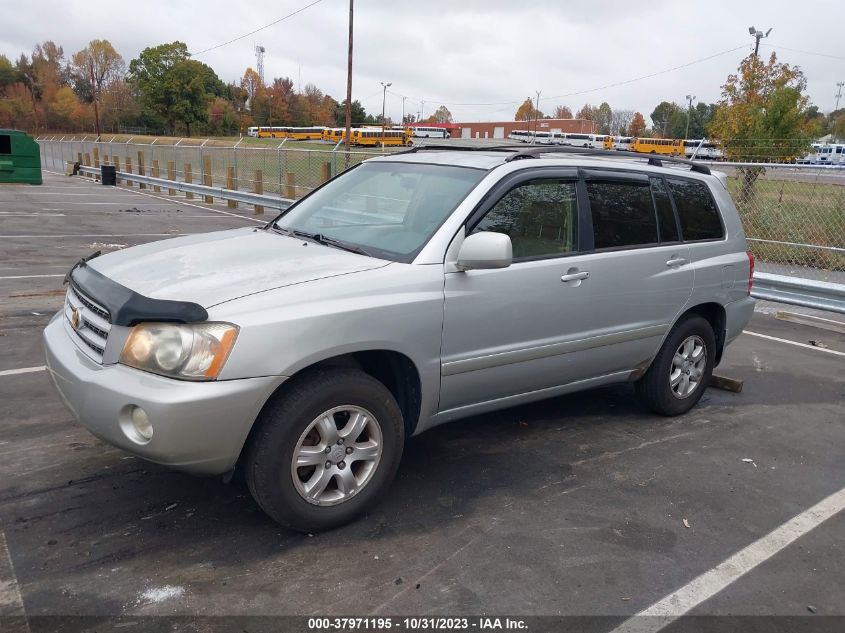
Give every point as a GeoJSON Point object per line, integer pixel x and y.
{"type": "Point", "coordinates": [697, 211]}
{"type": "Point", "coordinates": [5, 144]}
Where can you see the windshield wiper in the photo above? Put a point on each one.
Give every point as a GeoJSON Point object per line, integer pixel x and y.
{"type": "Point", "coordinates": [325, 240]}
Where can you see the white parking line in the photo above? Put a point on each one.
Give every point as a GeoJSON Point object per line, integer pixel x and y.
{"type": "Point", "coordinates": [22, 370]}
{"type": "Point", "coordinates": [708, 584]}
{"type": "Point", "coordinates": [30, 276]}
{"type": "Point", "coordinates": [796, 343]}
{"type": "Point", "coordinates": [11, 600]}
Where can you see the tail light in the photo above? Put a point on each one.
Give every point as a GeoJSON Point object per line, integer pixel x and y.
{"type": "Point", "coordinates": [750, 270]}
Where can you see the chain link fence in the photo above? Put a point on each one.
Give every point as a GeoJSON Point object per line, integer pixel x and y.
{"type": "Point", "coordinates": [794, 215]}
{"type": "Point", "coordinates": [290, 172]}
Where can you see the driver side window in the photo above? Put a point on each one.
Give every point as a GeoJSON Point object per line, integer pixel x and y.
{"type": "Point", "coordinates": [539, 216]}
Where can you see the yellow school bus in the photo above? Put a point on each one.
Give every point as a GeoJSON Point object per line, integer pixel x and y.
{"type": "Point", "coordinates": [334, 134]}
{"type": "Point", "coordinates": [675, 147]}
{"type": "Point", "coordinates": [372, 137]}
{"type": "Point", "coordinates": [304, 133]}
{"type": "Point", "coordinates": [266, 131]}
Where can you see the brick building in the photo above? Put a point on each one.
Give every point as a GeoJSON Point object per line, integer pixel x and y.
{"type": "Point", "coordinates": [501, 129]}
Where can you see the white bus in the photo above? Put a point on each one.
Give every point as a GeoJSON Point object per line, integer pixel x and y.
{"type": "Point", "coordinates": [252, 130]}
{"type": "Point", "coordinates": [622, 143]}
{"type": "Point", "coordinates": [830, 154]}
{"type": "Point", "coordinates": [519, 135]}
{"type": "Point", "coordinates": [429, 132]}
{"type": "Point", "coordinates": [702, 149]}
{"type": "Point", "coordinates": [596, 141]}
{"type": "Point", "coordinates": [541, 138]}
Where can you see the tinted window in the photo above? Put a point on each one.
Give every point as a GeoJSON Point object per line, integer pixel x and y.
{"type": "Point", "coordinates": [623, 214]}
{"type": "Point", "coordinates": [5, 144]}
{"type": "Point", "coordinates": [696, 210]}
{"type": "Point", "coordinates": [539, 216]}
{"type": "Point", "coordinates": [665, 215]}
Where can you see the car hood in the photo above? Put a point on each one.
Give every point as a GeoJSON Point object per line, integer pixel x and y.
{"type": "Point", "coordinates": [210, 268]}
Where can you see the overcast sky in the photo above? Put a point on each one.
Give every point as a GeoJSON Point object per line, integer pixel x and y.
{"type": "Point", "coordinates": [478, 57]}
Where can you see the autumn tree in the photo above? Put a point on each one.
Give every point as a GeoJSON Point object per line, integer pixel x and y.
{"type": "Point", "coordinates": [251, 83]}
{"type": "Point", "coordinates": [587, 112]}
{"type": "Point", "coordinates": [527, 111]}
{"type": "Point", "coordinates": [359, 114]}
{"type": "Point", "coordinates": [637, 125]}
{"type": "Point", "coordinates": [761, 116]}
{"type": "Point", "coordinates": [441, 115]}
{"type": "Point", "coordinates": [562, 112]}
{"type": "Point", "coordinates": [604, 117]}
{"type": "Point", "coordinates": [100, 64]}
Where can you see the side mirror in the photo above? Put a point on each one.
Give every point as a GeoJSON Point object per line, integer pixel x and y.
{"type": "Point", "coordinates": [485, 250]}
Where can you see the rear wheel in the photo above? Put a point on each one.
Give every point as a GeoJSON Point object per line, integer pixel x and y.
{"type": "Point", "coordinates": [682, 368]}
{"type": "Point", "coordinates": [325, 451]}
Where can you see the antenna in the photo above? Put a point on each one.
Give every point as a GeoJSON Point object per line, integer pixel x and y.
{"type": "Point", "coordinates": [259, 60]}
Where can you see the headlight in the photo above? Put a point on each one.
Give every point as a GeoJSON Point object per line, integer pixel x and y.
{"type": "Point", "coordinates": [195, 351]}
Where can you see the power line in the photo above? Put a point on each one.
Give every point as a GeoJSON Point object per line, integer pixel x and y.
{"type": "Point", "coordinates": [661, 72]}
{"type": "Point", "coordinates": [266, 26]}
{"type": "Point", "coordinates": [798, 50]}
{"type": "Point", "coordinates": [581, 92]}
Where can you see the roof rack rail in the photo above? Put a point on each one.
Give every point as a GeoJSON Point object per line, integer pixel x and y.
{"type": "Point", "coordinates": [518, 152]}
{"type": "Point", "coordinates": [653, 159]}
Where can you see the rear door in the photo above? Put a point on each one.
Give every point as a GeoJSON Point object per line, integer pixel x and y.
{"type": "Point", "coordinates": [641, 277]}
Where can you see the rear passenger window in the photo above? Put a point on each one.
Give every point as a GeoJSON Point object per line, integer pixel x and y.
{"type": "Point", "coordinates": [697, 211]}
{"type": "Point", "coordinates": [539, 216]}
{"type": "Point", "coordinates": [623, 214]}
{"type": "Point", "coordinates": [665, 215]}
{"type": "Point", "coordinates": [5, 144]}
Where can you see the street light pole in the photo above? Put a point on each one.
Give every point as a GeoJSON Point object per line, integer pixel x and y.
{"type": "Point", "coordinates": [536, 115]}
{"type": "Point", "coordinates": [838, 94]}
{"type": "Point", "coordinates": [690, 99]}
{"type": "Point", "coordinates": [757, 35]}
{"type": "Point", "coordinates": [384, 87]}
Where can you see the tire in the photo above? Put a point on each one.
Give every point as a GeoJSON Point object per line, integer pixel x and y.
{"type": "Point", "coordinates": [281, 490]}
{"type": "Point", "coordinates": [655, 388]}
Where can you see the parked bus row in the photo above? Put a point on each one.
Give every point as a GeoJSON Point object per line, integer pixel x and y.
{"type": "Point", "coordinates": [700, 148]}
{"type": "Point", "coordinates": [364, 136]}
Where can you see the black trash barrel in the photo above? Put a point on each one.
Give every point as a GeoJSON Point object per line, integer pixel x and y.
{"type": "Point", "coordinates": [108, 175]}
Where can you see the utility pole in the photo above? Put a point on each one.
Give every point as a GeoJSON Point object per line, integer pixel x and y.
{"type": "Point", "coordinates": [95, 91]}
{"type": "Point", "coordinates": [690, 99]}
{"type": "Point", "coordinates": [403, 110]}
{"type": "Point", "coordinates": [838, 94]}
{"type": "Point", "coordinates": [536, 115]}
{"type": "Point", "coordinates": [422, 109]}
{"type": "Point", "coordinates": [384, 87]}
{"type": "Point", "coordinates": [348, 135]}
{"type": "Point", "coordinates": [757, 35]}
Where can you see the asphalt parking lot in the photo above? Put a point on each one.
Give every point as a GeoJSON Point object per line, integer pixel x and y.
{"type": "Point", "coordinates": [585, 505]}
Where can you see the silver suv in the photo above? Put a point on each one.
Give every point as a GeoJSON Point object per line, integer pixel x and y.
{"type": "Point", "coordinates": [412, 290]}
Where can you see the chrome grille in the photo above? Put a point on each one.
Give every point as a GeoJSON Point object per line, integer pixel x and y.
{"type": "Point", "coordinates": [94, 325]}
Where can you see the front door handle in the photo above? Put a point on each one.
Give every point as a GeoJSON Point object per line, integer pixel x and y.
{"type": "Point", "coordinates": [584, 274]}
{"type": "Point", "coordinates": [676, 261]}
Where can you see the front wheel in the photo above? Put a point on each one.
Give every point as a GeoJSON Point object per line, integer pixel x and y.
{"type": "Point", "coordinates": [682, 368]}
{"type": "Point", "coordinates": [326, 450]}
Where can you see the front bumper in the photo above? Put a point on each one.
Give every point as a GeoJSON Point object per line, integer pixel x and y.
{"type": "Point", "coordinates": [199, 427]}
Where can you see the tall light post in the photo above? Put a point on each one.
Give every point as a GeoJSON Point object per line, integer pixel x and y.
{"type": "Point", "coordinates": [536, 114]}
{"type": "Point", "coordinates": [690, 99]}
{"type": "Point", "coordinates": [757, 35]}
{"type": "Point", "coordinates": [348, 134]}
{"type": "Point", "coordinates": [384, 87]}
{"type": "Point", "coordinates": [839, 94]}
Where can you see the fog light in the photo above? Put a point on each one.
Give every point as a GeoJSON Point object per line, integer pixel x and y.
{"type": "Point", "coordinates": [141, 423]}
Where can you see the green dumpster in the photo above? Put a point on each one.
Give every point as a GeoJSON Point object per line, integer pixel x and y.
{"type": "Point", "coordinates": [20, 158]}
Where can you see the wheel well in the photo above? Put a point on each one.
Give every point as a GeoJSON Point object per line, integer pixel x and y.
{"type": "Point", "coordinates": [715, 315]}
{"type": "Point", "coordinates": [394, 370]}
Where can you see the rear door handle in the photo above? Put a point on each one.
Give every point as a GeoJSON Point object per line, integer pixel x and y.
{"type": "Point", "coordinates": [676, 261]}
{"type": "Point", "coordinates": [584, 274]}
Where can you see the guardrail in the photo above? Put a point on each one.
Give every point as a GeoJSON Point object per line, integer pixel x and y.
{"type": "Point", "coordinates": [245, 197]}
{"type": "Point", "coordinates": [821, 295]}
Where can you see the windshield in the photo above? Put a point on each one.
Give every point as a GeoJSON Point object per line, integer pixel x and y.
{"type": "Point", "coordinates": [388, 210]}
